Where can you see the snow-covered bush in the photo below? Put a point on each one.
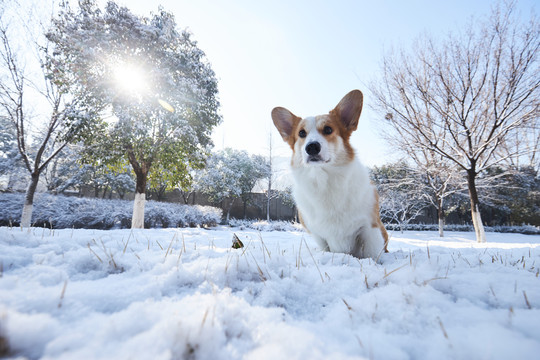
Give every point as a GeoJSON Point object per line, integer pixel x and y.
{"type": "Point", "coordinates": [261, 225]}
{"type": "Point", "coordinates": [61, 212]}
{"type": "Point", "coordinates": [523, 229]}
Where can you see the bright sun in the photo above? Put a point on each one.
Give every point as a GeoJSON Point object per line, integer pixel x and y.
{"type": "Point", "coordinates": [130, 79]}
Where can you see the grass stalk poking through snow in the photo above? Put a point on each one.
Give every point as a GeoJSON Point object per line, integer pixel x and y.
{"type": "Point", "coordinates": [93, 252]}
{"type": "Point", "coordinates": [527, 300]}
{"type": "Point", "coordinates": [317, 266]}
{"type": "Point", "coordinates": [170, 245]}
{"type": "Point", "coordinates": [62, 294]}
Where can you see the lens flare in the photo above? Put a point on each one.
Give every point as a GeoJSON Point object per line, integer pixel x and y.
{"type": "Point", "coordinates": [166, 105]}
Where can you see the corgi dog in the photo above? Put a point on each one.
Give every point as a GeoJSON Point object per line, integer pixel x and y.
{"type": "Point", "coordinates": [336, 201]}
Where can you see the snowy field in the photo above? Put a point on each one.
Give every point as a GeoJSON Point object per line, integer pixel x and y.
{"type": "Point", "coordinates": [186, 294]}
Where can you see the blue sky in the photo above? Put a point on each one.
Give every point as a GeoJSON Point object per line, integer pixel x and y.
{"type": "Point", "coordinates": [306, 55]}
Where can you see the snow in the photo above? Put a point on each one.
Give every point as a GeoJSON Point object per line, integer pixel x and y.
{"type": "Point", "coordinates": [185, 293]}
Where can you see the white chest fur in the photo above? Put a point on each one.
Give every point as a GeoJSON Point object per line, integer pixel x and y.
{"type": "Point", "coordinates": [336, 206]}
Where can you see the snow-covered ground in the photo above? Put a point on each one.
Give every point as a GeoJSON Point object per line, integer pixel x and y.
{"type": "Point", "coordinates": [185, 293]}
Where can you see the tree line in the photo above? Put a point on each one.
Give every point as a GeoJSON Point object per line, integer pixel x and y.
{"type": "Point", "coordinates": [511, 195]}
{"type": "Point", "coordinates": [407, 194]}
{"type": "Point", "coordinates": [127, 94]}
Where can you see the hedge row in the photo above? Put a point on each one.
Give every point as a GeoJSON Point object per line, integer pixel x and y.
{"type": "Point", "coordinates": [60, 212]}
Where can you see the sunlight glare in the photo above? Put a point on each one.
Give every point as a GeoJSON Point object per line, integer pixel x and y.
{"type": "Point", "coordinates": [130, 78]}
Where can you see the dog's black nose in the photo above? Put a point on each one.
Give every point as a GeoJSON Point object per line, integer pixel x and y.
{"type": "Point", "coordinates": [313, 148]}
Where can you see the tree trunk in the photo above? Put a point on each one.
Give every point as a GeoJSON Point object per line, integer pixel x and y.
{"type": "Point", "coordinates": [401, 220]}
{"type": "Point", "coordinates": [269, 192]}
{"type": "Point", "coordinates": [268, 198]}
{"type": "Point", "coordinates": [26, 217]}
{"type": "Point", "coordinates": [229, 209]}
{"type": "Point", "coordinates": [475, 207]}
{"type": "Point", "coordinates": [268, 209]}
{"type": "Point", "coordinates": [137, 221]}
{"type": "Point", "coordinates": [440, 216]}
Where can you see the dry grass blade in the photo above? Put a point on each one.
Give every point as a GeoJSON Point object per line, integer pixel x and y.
{"type": "Point", "coordinates": [442, 328]}
{"type": "Point", "coordinates": [393, 271]}
{"type": "Point", "coordinates": [179, 257]}
{"type": "Point", "coordinates": [93, 252]}
{"type": "Point", "coordinates": [127, 242]}
{"type": "Point", "coordinates": [204, 317]}
{"type": "Point", "coordinates": [317, 266]}
{"type": "Point", "coordinates": [113, 262]}
{"type": "Point", "coordinates": [5, 350]}
{"type": "Point", "coordinates": [183, 243]}
{"type": "Point", "coordinates": [62, 294]}
{"type": "Point", "coordinates": [134, 253]}
{"type": "Point", "coordinates": [433, 279]}
{"type": "Point", "coordinates": [261, 274]}
{"type": "Point", "coordinates": [264, 245]}
{"type": "Point", "coordinates": [527, 300]}
{"type": "Point", "coordinates": [299, 259]}
{"type": "Point", "coordinates": [359, 342]}
{"type": "Point", "coordinates": [346, 304]}
{"type": "Point", "coordinates": [170, 245]}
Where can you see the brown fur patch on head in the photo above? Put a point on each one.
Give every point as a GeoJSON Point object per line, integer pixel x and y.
{"type": "Point", "coordinates": [339, 131]}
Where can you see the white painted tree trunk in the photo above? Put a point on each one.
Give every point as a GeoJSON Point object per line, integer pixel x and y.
{"type": "Point", "coordinates": [26, 218]}
{"type": "Point", "coordinates": [137, 220]}
{"type": "Point", "coordinates": [478, 226]}
{"type": "Point", "coordinates": [441, 228]}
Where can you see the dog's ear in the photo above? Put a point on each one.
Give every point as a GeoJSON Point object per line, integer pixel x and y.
{"type": "Point", "coordinates": [349, 109]}
{"type": "Point", "coordinates": [285, 121]}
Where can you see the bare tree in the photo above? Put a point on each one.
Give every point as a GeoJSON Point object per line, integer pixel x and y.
{"type": "Point", "coordinates": [464, 98]}
{"type": "Point", "coordinates": [525, 142]}
{"type": "Point", "coordinates": [440, 177]}
{"type": "Point", "coordinates": [40, 138]}
{"type": "Point", "coordinates": [270, 193]}
{"type": "Point", "coordinates": [441, 181]}
{"type": "Point", "coordinates": [402, 194]}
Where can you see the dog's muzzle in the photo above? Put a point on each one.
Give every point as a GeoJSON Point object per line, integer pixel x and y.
{"type": "Point", "coordinates": [313, 150]}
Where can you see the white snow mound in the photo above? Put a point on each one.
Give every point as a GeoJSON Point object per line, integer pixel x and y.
{"type": "Point", "coordinates": [185, 293]}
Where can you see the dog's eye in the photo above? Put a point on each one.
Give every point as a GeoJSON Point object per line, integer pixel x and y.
{"type": "Point", "coordinates": [302, 133]}
{"type": "Point", "coordinates": [327, 130]}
